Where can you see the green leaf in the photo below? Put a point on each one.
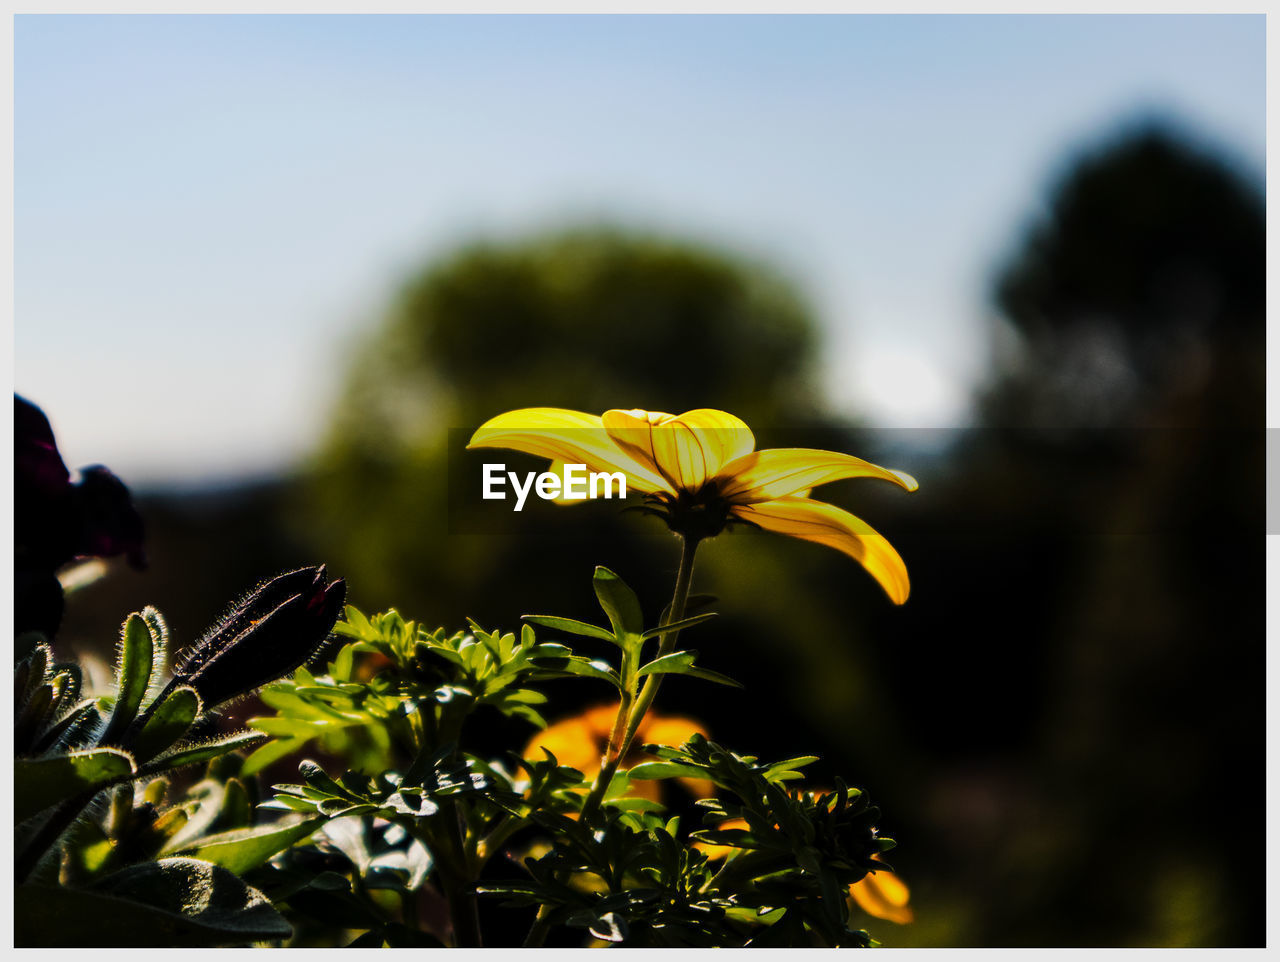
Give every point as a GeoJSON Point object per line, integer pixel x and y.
{"type": "Point", "coordinates": [571, 626]}
{"type": "Point", "coordinates": [243, 849]}
{"type": "Point", "coordinates": [133, 674]}
{"type": "Point", "coordinates": [271, 752]}
{"type": "Point", "coordinates": [652, 770]}
{"type": "Point", "coordinates": [169, 721]}
{"type": "Point", "coordinates": [611, 927]}
{"type": "Point", "coordinates": [635, 804]}
{"type": "Point", "coordinates": [787, 765]}
{"type": "Point", "coordinates": [619, 603]}
{"type": "Point", "coordinates": [172, 902]}
{"type": "Point", "coordinates": [681, 663]}
{"type": "Point", "coordinates": [577, 665]}
{"type": "Point", "coordinates": [159, 635]}
{"type": "Point", "coordinates": [203, 752]}
{"type": "Point", "coordinates": [679, 625]}
{"type": "Point", "coordinates": [42, 782]}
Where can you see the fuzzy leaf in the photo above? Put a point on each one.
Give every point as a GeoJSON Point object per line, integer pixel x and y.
{"type": "Point", "coordinates": [175, 901]}
{"type": "Point", "coordinates": [133, 674]}
{"type": "Point", "coordinates": [204, 752]}
{"type": "Point", "coordinates": [168, 722]}
{"type": "Point", "coordinates": [243, 849]}
{"type": "Point", "coordinates": [42, 782]}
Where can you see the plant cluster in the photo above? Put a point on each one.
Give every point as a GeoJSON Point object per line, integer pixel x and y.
{"type": "Point", "coordinates": [405, 827]}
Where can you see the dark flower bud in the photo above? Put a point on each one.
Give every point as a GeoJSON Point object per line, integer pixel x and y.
{"type": "Point", "coordinates": [264, 637]}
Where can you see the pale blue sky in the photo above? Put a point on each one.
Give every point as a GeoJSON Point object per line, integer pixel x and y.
{"type": "Point", "coordinates": [208, 210]}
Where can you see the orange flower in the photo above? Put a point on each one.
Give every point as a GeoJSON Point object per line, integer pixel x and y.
{"type": "Point", "coordinates": [580, 741]}
{"type": "Point", "coordinates": [884, 895]}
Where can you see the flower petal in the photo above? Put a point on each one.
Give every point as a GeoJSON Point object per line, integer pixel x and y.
{"type": "Point", "coordinates": [780, 472]}
{"type": "Point", "coordinates": [687, 449]}
{"type": "Point", "coordinates": [574, 741]}
{"type": "Point", "coordinates": [572, 437]}
{"type": "Point", "coordinates": [836, 528]}
{"type": "Point", "coordinates": [883, 895]}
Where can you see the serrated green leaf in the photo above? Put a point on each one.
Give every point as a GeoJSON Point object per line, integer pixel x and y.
{"type": "Point", "coordinates": [39, 783]}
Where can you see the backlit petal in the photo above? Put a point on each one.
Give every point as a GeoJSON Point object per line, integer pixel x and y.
{"type": "Point", "coordinates": [781, 472]}
{"type": "Point", "coordinates": [674, 732]}
{"type": "Point", "coordinates": [572, 437]}
{"type": "Point", "coordinates": [883, 895]}
{"type": "Point", "coordinates": [826, 524]}
{"type": "Point", "coordinates": [687, 449]}
{"type": "Point", "coordinates": [632, 433]}
{"type": "Point", "coordinates": [574, 742]}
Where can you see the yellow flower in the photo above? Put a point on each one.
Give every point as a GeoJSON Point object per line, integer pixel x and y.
{"type": "Point", "coordinates": [580, 741]}
{"type": "Point", "coordinates": [700, 471]}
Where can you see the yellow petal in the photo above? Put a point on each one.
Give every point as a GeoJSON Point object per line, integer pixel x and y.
{"type": "Point", "coordinates": [713, 851]}
{"type": "Point", "coordinates": [686, 450]}
{"type": "Point", "coordinates": [674, 731]}
{"type": "Point", "coordinates": [826, 524]}
{"type": "Point", "coordinates": [572, 437]}
{"type": "Point", "coordinates": [883, 895]}
{"type": "Point", "coordinates": [575, 742]}
{"type": "Point", "coordinates": [780, 472]}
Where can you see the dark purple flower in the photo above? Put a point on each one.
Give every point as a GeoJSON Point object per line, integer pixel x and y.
{"type": "Point", "coordinates": [57, 520]}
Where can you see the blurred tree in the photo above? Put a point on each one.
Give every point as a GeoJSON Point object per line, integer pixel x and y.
{"type": "Point", "coordinates": [1114, 726]}
{"type": "Point", "coordinates": [1147, 269]}
{"type": "Point", "coordinates": [579, 319]}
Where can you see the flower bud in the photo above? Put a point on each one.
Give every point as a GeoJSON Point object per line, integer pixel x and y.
{"type": "Point", "coordinates": [264, 637]}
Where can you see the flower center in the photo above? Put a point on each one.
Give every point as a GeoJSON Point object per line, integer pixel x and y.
{"type": "Point", "coordinates": [696, 514]}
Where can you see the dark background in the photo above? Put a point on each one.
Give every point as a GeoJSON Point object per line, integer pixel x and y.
{"type": "Point", "coordinates": [1063, 725]}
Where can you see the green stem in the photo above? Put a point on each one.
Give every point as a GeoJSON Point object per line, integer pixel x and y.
{"type": "Point", "coordinates": [459, 887]}
{"type": "Point", "coordinates": [633, 707]}
{"type": "Point", "coordinates": [538, 931]}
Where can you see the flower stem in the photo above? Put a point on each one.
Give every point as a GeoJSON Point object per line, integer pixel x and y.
{"type": "Point", "coordinates": [631, 710]}
{"type": "Point", "coordinates": [538, 931]}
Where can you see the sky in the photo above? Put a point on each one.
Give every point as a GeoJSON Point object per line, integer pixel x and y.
{"type": "Point", "coordinates": [209, 211]}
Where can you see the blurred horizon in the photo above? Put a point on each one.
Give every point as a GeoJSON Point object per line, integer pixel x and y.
{"type": "Point", "coordinates": [211, 211]}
